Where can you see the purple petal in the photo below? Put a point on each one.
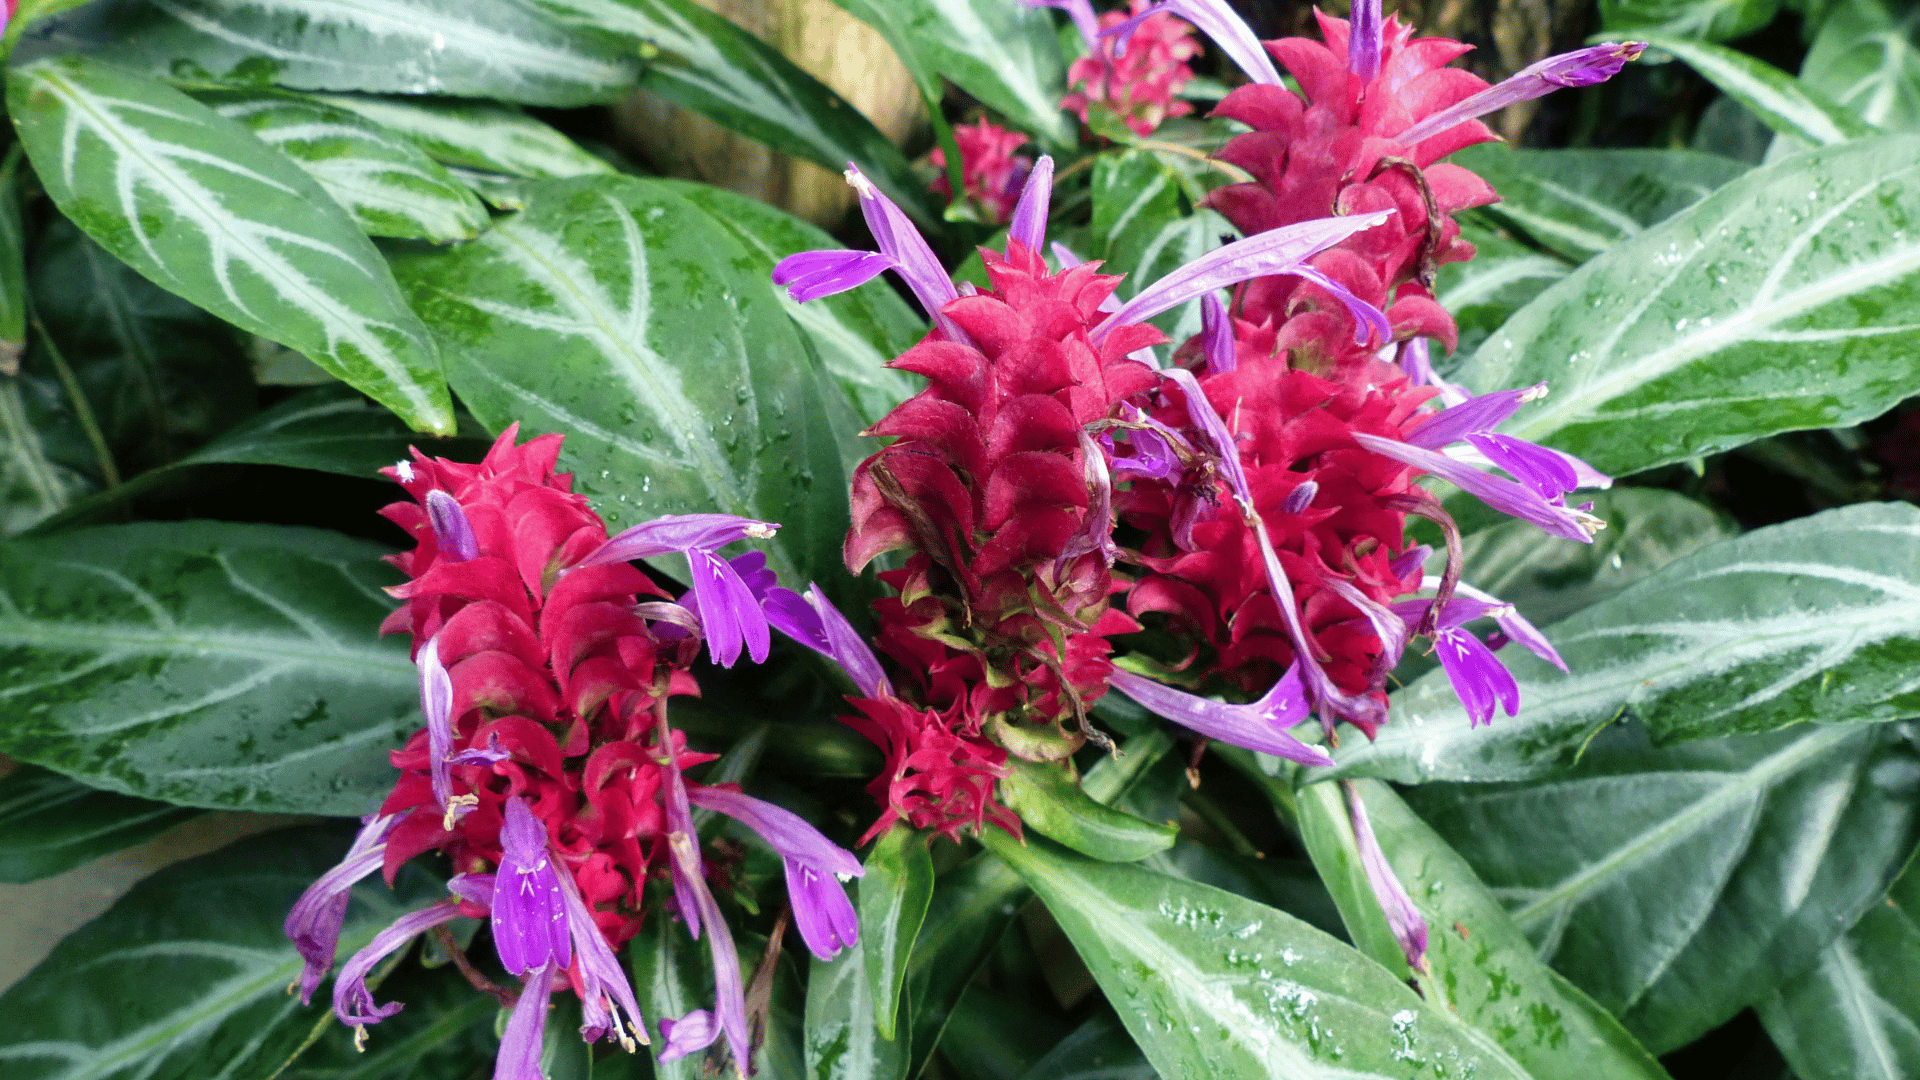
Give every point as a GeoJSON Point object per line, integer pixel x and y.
{"type": "Point", "coordinates": [475, 888]}
{"type": "Point", "coordinates": [1386, 625]}
{"type": "Point", "coordinates": [1516, 626]}
{"type": "Point", "coordinates": [1408, 926]}
{"type": "Point", "coordinates": [687, 882]}
{"type": "Point", "coordinates": [352, 1002]}
{"type": "Point", "coordinates": [1096, 525]}
{"type": "Point", "coordinates": [315, 921]}
{"type": "Point", "coordinates": [490, 755]}
{"type": "Point", "coordinates": [1216, 336]}
{"type": "Point", "coordinates": [1545, 471]}
{"type": "Point", "coordinates": [1213, 438]}
{"type": "Point", "coordinates": [1369, 322]}
{"type": "Point", "coordinates": [1503, 495]}
{"type": "Point", "coordinates": [810, 275]}
{"type": "Point", "coordinates": [529, 912]}
{"type": "Point", "coordinates": [821, 911]}
{"type": "Point", "coordinates": [1260, 726]}
{"type": "Point", "coordinates": [1410, 560]}
{"type": "Point", "coordinates": [729, 613]}
{"type": "Point", "coordinates": [1219, 22]}
{"type": "Point", "coordinates": [436, 701]}
{"type": "Point", "coordinates": [730, 1002]}
{"type": "Point", "coordinates": [452, 532]}
{"type": "Point", "coordinates": [1300, 497]}
{"type": "Point", "coordinates": [912, 258]}
{"type": "Point", "coordinates": [788, 612]}
{"type": "Point", "coordinates": [692, 1032]}
{"type": "Point", "coordinates": [1363, 40]}
{"type": "Point", "coordinates": [678, 532]}
{"type": "Point", "coordinates": [605, 988]}
{"type": "Point", "coordinates": [848, 648]}
{"type": "Point", "coordinates": [1081, 12]}
{"type": "Point", "coordinates": [1276, 251]}
{"type": "Point", "coordinates": [1416, 361]}
{"type": "Point", "coordinates": [1477, 675]}
{"type": "Point", "coordinates": [1476, 416]}
{"type": "Point", "coordinates": [1582, 67]}
{"type": "Point", "coordinates": [519, 1057]}
{"type": "Point", "coordinates": [1029, 225]}
{"type": "Point", "coordinates": [785, 831]}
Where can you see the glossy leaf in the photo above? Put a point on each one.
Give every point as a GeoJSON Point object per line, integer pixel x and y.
{"type": "Point", "coordinates": [1856, 1014]}
{"type": "Point", "coordinates": [704, 62]}
{"type": "Point", "coordinates": [33, 485]}
{"type": "Point", "coordinates": [475, 134]}
{"type": "Point", "coordinates": [1212, 985]}
{"type": "Point", "coordinates": [50, 824]}
{"type": "Point", "coordinates": [1817, 619]}
{"type": "Point", "coordinates": [1787, 105]}
{"type": "Point", "coordinates": [619, 312]}
{"type": "Point", "coordinates": [13, 269]}
{"type": "Point", "coordinates": [1144, 228]}
{"type": "Point", "coordinates": [1867, 59]}
{"type": "Point", "coordinates": [205, 663]}
{"type": "Point", "coordinates": [187, 974]}
{"type": "Point", "coordinates": [1484, 970]}
{"type": "Point", "coordinates": [444, 1029]}
{"type": "Point", "coordinates": [672, 976]}
{"type": "Point", "coordinates": [1051, 802]}
{"type": "Point", "coordinates": [894, 896]}
{"type": "Point", "coordinates": [1006, 55]}
{"type": "Point", "coordinates": [390, 186]}
{"type": "Point", "coordinates": [843, 1039]}
{"type": "Point", "coordinates": [1710, 20]}
{"type": "Point", "coordinates": [1679, 886]}
{"type": "Point", "coordinates": [193, 201]}
{"type": "Point", "coordinates": [856, 332]}
{"type": "Point", "coordinates": [1775, 304]}
{"type": "Point", "coordinates": [972, 907]}
{"type": "Point", "coordinates": [1579, 203]}
{"type": "Point", "coordinates": [468, 48]}
{"type": "Point", "coordinates": [1099, 1049]}
{"type": "Point", "coordinates": [1503, 275]}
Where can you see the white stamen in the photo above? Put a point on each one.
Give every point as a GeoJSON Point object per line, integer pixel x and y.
{"type": "Point", "coordinates": [405, 469]}
{"type": "Point", "coordinates": [761, 530]}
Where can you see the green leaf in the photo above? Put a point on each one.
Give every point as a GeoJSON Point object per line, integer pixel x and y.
{"type": "Point", "coordinates": [476, 134]}
{"type": "Point", "coordinates": [1006, 55]}
{"type": "Point", "coordinates": [1787, 105]}
{"type": "Point", "coordinates": [1679, 886]}
{"type": "Point", "coordinates": [1775, 304]}
{"type": "Point", "coordinates": [843, 1040]}
{"type": "Point", "coordinates": [1710, 20]}
{"type": "Point", "coordinates": [894, 896]}
{"type": "Point", "coordinates": [205, 663]}
{"type": "Point", "coordinates": [972, 907]}
{"type": "Point", "coordinates": [1484, 970]}
{"type": "Point", "coordinates": [1856, 1014]}
{"type": "Point", "coordinates": [1211, 985]}
{"type": "Point", "coordinates": [1142, 228]}
{"type": "Point", "coordinates": [390, 186]}
{"type": "Point", "coordinates": [196, 203]}
{"type": "Point", "coordinates": [50, 824]}
{"type": "Point", "coordinates": [704, 62]}
{"type": "Point", "coordinates": [467, 48]}
{"type": "Point", "coordinates": [1049, 799]}
{"type": "Point", "coordinates": [1503, 275]}
{"type": "Point", "coordinates": [187, 974]}
{"type": "Point", "coordinates": [998, 1031]}
{"type": "Point", "coordinates": [620, 313]}
{"type": "Point", "coordinates": [1817, 619]}
{"type": "Point", "coordinates": [33, 486]}
{"type": "Point", "coordinates": [1579, 203]}
{"type": "Point", "coordinates": [1099, 1049]}
{"type": "Point", "coordinates": [13, 269]}
{"type": "Point", "coordinates": [672, 976]}
{"type": "Point", "coordinates": [445, 1030]}
{"type": "Point", "coordinates": [856, 332]}
{"type": "Point", "coordinates": [1866, 60]}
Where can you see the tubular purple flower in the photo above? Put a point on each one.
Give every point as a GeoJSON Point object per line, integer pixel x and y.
{"type": "Point", "coordinates": [1219, 22]}
{"type": "Point", "coordinates": [436, 701]}
{"type": "Point", "coordinates": [604, 987]}
{"type": "Point", "coordinates": [1029, 223]}
{"type": "Point", "coordinates": [820, 906]}
{"type": "Point", "coordinates": [1151, 447]}
{"type": "Point", "coordinates": [1261, 725]}
{"type": "Point", "coordinates": [1478, 677]}
{"type": "Point", "coordinates": [352, 1002]}
{"type": "Point", "coordinates": [1216, 336]}
{"type": "Point", "coordinates": [1403, 918]}
{"type": "Point", "coordinates": [1369, 322]}
{"type": "Point", "coordinates": [1476, 415]}
{"type": "Point", "coordinates": [1363, 40]}
{"type": "Point", "coordinates": [1080, 11]}
{"type": "Point", "coordinates": [1582, 67]}
{"type": "Point", "coordinates": [452, 532]}
{"type": "Point", "coordinates": [813, 621]}
{"type": "Point", "coordinates": [315, 921]}
{"type": "Point", "coordinates": [915, 262]}
{"type": "Point", "coordinates": [1550, 473]}
{"type": "Point", "coordinates": [1417, 362]}
{"type": "Point", "coordinates": [1505, 496]}
{"type": "Point", "coordinates": [1300, 497]}
{"type": "Point", "coordinates": [529, 912]}
{"type": "Point", "coordinates": [730, 613]}
{"type": "Point", "coordinates": [730, 1002]}
{"type": "Point", "coordinates": [1515, 625]}
{"type": "Point", "coordinates": [810, 275]}
{"type": "Point", "coordinates": [692, 1032]}
{"type": "Point", "coordinates": [1276, 251]}
{"type": "Point", "coordinates": [689, 874]}
{"type": "Point", "coordinates": [678, 532]}
{"type": "Point", "coordinates": [519, 1056]}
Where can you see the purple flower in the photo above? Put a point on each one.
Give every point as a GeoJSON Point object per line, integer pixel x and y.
{"type": "Point", "coordinates": [352, 1002]}
{"type": "Point", "coordinates": [1582, 67]}
{"type": "Point", "coordinates": [1478, 677]}
{"type": "Point", "coordinates": [1363, 40]}
{"type": "Point", "coordinates": [452, 532]}
{"type": "Point", "coordinates": [813, 621]}
{"type": "Point", "coordinates": [529, 911]}
{"type": "Point", "coordinates": [1081, 12]}
{"type": "Point", "coordinates": [730, 614]}
{"type": "Point", "coordinates": [1551, 515]}
{"type": "Point", "coordinates": [810, 275]}
{"type": "Point", "coordinates": [436, 701]}
{"type": "Point", "coordinates": [730, 1002]}
{"type": "Point", "coordinates": [1150, 448]}
{"type": "Point", "coordinates": [519, 1056]}
{"type": "Point", "coordinates": [1261, 725]}
{"type": "Point", "coordinates": [1216, 336]}
{"type": "Point", "coordinates": [692, 1032]}
{"type": "Point", "coordinates": [604, 987]}
{"type": "Point", "coordinates": [1417, 362]}
{"type": "Point", "coordinates": [315, 921]}
{"type": "Point", "coordinates": [1219, 22]}
{"type": "Point", "coordinates": [1096, 525]}
{"type": "Point", "coordinates": [1514, 625]}
{"type": "Point", "coordinates": [820, 906]}
{"type": "Point", "coordinates": [1408, 926]}
{"type": "Point", "coordinates": [1029, 222]}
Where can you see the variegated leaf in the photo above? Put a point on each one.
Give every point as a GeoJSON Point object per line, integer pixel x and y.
{"type": "Point", "coordinates": [205, 663]}
{"type": "Point", "coordinates": [193, 201]}
{"type": "Point", "coordinates": [1817, 619]}
{"type": "Point", "coordinates": [618, 311]}
{"type": "Point", "coordinates": [50, 823]}
{"type": "Point", "coordinates": [1789, 106]}
{"type": "Point", "coordinates": [391, 187]}
{"type": "Point", "coordinates": [476, 135]}
{"type": "Point", "coordinates": [1867, 59]}
{"type": "Point", "coordinates": [1785, 300]}
{"type": "Point", "coordinates": [1503, 275]}
{"type": "Point", "coordinates": [469, 48]}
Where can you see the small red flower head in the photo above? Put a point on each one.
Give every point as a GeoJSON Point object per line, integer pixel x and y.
{"type": "Point", "coordinates": [1142, 85]}
{"type": "Point", "coordinates": [990, 170]}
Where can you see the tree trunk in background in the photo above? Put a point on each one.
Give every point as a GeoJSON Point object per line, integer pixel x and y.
{"type": "Point", "coordinates": [835, 48]}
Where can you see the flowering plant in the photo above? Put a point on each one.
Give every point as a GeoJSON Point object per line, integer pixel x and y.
{"type": "Point", "coordinates": [1256, 552]}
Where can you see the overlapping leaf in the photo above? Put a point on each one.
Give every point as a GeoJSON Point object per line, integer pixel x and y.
{"type": "Point", "coordinates": [475, 134]}
{"type": "Point", "coordinates": [196, 203]}
{"type": "Point", "coordinates": [1679, 886]}
{"type": "Point", "coordinates": [205, 663]}
{"type": "Point", "coordinates": [1501, 278]}
{"type": "Point", "coordinates": [621, 313]}
{"type": "Point", "coordinates": [1865, 58]}
{"type": "Point", "coordinates": [50, 824]}
{"type": "Point", "coordinates": [1817, 619]}
{"type": "Point", "coordinates": [1782, 301]}
{"type": "Point", "coordinates": [1789, 106]}
{"type": "Point", "coordinates": [1712, 20]}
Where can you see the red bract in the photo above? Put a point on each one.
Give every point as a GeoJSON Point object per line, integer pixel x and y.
{"type": "Point", "coordinates": [1141, 85]}
{"type": "Point", "coordinates": [990, 170]}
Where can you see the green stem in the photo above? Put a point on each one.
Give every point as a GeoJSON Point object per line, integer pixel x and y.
{"type": "Point", "coordinates": [1211, 813]}
{"type": "Point", "coordinates": [82, 409]}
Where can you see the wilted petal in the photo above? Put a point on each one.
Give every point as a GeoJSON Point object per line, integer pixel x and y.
{"type": "Point", "coordinates": [1096, 525]}
{"type": "Point", "coordinates": [1029, 224]}
{"type": "Point", "coordinates": [452, 532]}
{"type": "Point", "coordinates": [1403, 918]}
{"type": "Point", "coordinates": [315, 921]}
{"type": "Point", "coordinates": [730, 1002]}
{"type": "Point", "coordinates": [1261, 725]}
{"type": "Point", "coordinates": [810, 275]}
{"type": "Point", "coordinates": [692, 1032]}
{"type": "Point", "coordinates": [519, 1057]}
{"type": "Point", "coordinates": [604, 986]}
{"type": "Point", "coordinates": [1582, 67]}
{"type": "Point", "coordinates": [1503, 495]}
{"type": "Point", "coordinates": [1219, 22]}
{"type": "Point", "coordinates": [678, 532]}
{"type": "Point", "coordinates": [352, 1002]}
{"type": "Point", "coordinates": [529, 913]}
